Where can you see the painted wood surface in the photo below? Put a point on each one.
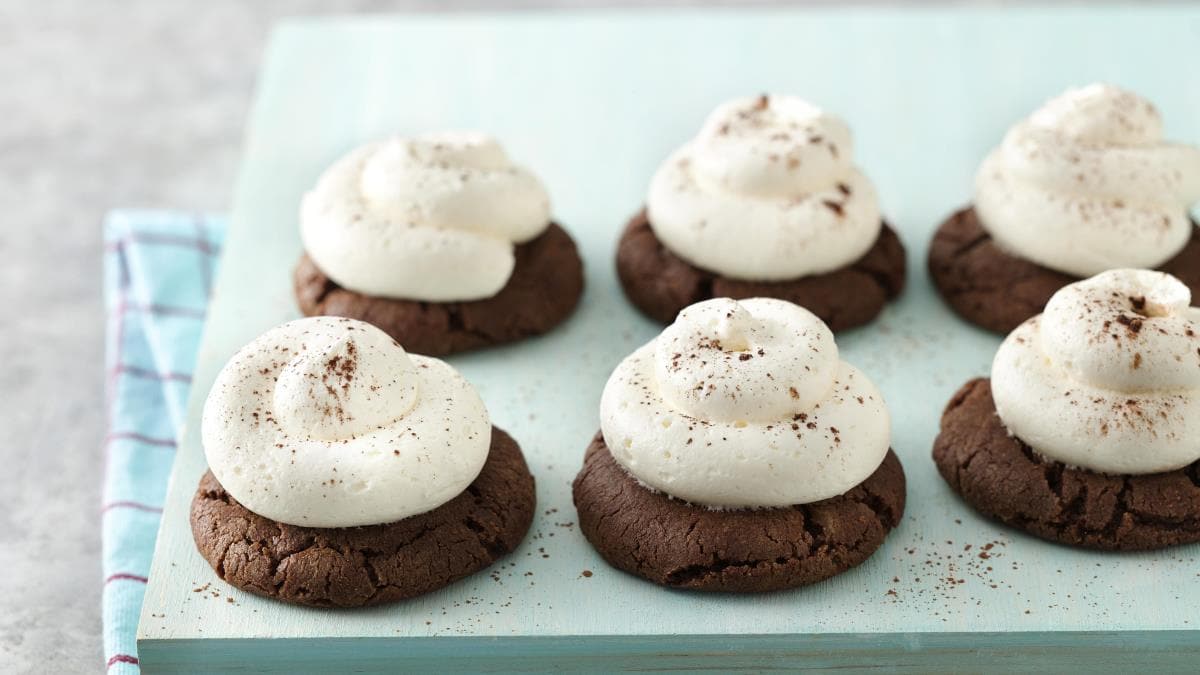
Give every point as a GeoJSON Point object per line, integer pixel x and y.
{"type": "Point", "coordinates": [592, 102]}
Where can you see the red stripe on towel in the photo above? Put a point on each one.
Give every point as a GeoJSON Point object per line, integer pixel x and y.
{"type": "Point", "coordinates": [123, 576]}
{"type": "Point", "coordinates": [121, 658]}
{"type": "Point", "coordinates": [136, 506]}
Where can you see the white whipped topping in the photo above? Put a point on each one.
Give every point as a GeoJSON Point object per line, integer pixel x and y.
{"type": "Point", "coordinates": [430, 218]}
{"type": "Point", "coordinates": [767, 191]}
{"type": "Point", "coordinates": [744, 404]}
{"type": "Point", "coordinates": [327, 422]}
{"type": "Point", "coordinates": [1108, 378]}
{"type": "Point", "coordinates": [1087, 184]}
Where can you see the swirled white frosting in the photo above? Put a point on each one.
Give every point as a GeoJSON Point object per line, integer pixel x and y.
{"type": "Point", "coordinates": [327, 422]}
{"type": "Point", "coordinates": [1087, 184]}
{"type": "Point", "coordinates": [1108, 378]}
{"type": "Point", "coordinates": [744, 404]}
{"type": "Point", "coordinates": [430, 218]}
{"type": "Point", "coordinates": [767, 191]}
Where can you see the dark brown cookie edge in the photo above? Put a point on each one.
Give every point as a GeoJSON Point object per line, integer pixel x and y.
{"type": "Point", "coordinates": [1003, 478]}
{"type": "Point", "coordinates": [360, 566]}
{"type": "Point", "coordinates": [680, 545]}
{"type": "Point", "coordinates": [660, 283]}
{"type": "Point", "coordinates": [999, 291]}
{"type": "Point", "coordinates": [544, 289]}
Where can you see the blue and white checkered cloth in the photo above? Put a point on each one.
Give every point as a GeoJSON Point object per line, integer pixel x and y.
{"type": "Point", "coordinates": [158, 269]}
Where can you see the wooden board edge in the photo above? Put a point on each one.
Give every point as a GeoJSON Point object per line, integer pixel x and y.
{"type": "Point", "coordinates": [897, 652]}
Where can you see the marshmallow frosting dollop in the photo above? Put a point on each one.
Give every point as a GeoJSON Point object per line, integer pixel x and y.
{"type": "Point", "coordinates": [328, 422]}
{"type": "Point", "coordinates": [744, 404]}
{"type": "Point", "coordinates": [1108, 378]}
{"type": "Point", "coordinates": [432, 218]}
{"type": "Point", "coordinates": [1087, 184]}
{"type": "Point", "coordinates": [767, 191]}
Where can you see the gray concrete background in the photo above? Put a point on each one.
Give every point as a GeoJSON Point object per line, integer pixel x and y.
{"type": "Point", "coordinates": [102, 104]}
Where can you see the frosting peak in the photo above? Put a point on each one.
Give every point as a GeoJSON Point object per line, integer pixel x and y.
{"type": "Point", "coordinates": [431, 218]}
{"type": "Point", "coordinates": [1098, 330]}
{"type": "Point", "coordinates": [766, 191]}
{"type": "Point", "coordinates": [1100, 115]}
{"type": "Point", "coordinates": [327, 422]}
{"type": "Point", "coordinates": [1108, 378]}
{"type": "Point", "coordinates": [744, 404]}
{"type": "Point", "coordinates": [1087, 184]}
{"type": "Point", "coordinates": [721, 363]}
{"type": "Point", "coordinates": [772, 147]}
{"type": "Point", "coordinates": [340, 389]}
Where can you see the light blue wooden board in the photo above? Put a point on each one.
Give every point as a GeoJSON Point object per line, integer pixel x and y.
{"type": "Point", "coordinates": [593, 101]}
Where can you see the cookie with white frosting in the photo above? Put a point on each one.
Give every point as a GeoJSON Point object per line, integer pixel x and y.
{"type": "Point", "coordinates": [344, 471]}
{"type": "Point", "coordinates": [439, 240]}
{"type": "Point", "coordinates": [1085, 184]}
{"type": "Point", "coordinates": [738, 452]}
{"type": "Point", "coordinates": [764, 202]}
{"type": "Point", "coordinates": [1088, 431]}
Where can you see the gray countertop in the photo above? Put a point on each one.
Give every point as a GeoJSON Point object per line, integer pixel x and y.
{"type": "Point", "coordinates": [136, 103]}
{"type": "Point", "coordinates": [131, 103]}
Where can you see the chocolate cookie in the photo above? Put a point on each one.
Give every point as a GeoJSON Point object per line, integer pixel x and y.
{"type": "Point", "coordinates": [543, 290]}
{"type": "Point", "coordinates": [357, 566]}
{"type": "Point", "coordinates": [660, 283]}
{"type": "Point", "coordinates": [1004, 478]}
{"type": "Point", "coordinates": [999, 291]}
{"type": "Point", "coordinates": [674, 543]}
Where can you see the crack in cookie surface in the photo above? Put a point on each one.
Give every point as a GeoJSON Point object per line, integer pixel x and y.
{"type": "Point", "coordinates": [1002, 477]}
{"type": "Point", "coordinates": [677, 544]}
{"type": "Point", "coordinates": [356, 566]}
{"type": "Point", "coordinates": [543, 291]}
{"type": "Point", "coordinates": [998, 291]}
{"type": "Point", "coordinates": [660, 283]}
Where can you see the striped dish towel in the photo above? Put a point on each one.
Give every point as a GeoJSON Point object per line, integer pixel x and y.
{"type": "Point", "coordinates": [158, 269]}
